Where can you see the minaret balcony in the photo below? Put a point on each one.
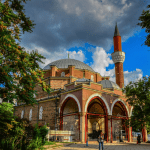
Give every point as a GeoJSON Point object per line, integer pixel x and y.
{"type": "Point", "coordinates": [118, 57]}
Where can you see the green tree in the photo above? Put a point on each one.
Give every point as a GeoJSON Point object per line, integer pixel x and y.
{"type": "Point", "coordinates": [145, 23]}
{"type": "Point", "coordinates": [138, 96]}
{"type": "Point", "coordinates": [19, 70]}
{"type": "Point", "coordinates": [14, 131]}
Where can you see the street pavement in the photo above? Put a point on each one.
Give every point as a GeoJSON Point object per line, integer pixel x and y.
{"type": "Point", "coordinates": [107, 146]}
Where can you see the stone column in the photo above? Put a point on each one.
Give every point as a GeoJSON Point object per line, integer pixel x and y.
{"type": "Point", "coordinates": [82, 127]}
{"type": "Point", "coordinates": [130, 135]}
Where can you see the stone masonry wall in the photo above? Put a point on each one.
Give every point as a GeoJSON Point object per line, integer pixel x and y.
{"type": "Point", "coordinates": [48, 116]}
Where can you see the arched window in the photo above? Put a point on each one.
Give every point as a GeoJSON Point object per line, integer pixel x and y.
{"type": "Point", "coordinates": [30, 115]}
{"type": "Point", "coordinates": [92, 77]}
{"type": "Point", "coordinates": [62, 74]}
{"type": "Point", "coordinates": [1, 100]}
{"type": "Point", "coordinates": [34, 96]}
{"type": "Point", "coordinates": [41, 112]}
{"type": "Point", "coordinates": [22, 114]}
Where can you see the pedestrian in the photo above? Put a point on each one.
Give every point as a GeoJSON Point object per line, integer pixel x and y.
{"type": "Point", "coordinates": [138, 139]}
{"type": "Point", "coordinates": [101, 140]}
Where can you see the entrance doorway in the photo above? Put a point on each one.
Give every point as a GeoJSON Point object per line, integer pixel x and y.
{"type": "Point", "coordinates": [96, 120]}
{"type": "Point", "coordinates": [119, 130]}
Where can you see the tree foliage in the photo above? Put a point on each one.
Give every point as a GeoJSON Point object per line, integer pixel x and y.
{"type": "Point", "coordinates": [145, 23]}
{"type": "Point", "coordinates": [138, 96]}
{"type": "Point", "coordinates": [14, 131]}
{"type": "Point", "coordinates": [19, 70]}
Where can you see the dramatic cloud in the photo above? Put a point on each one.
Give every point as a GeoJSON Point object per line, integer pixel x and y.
{"type": "Point", "coordinates": [102, 60]}
{"type": "Point", "coordinates": [53, 56]}
{"type": "Point", "coordinates": [62, 24]}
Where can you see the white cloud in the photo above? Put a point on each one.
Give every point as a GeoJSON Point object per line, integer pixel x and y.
{"type": "Point", "coordinates": [53, 56]}
{"type": "Point", "coordinates": [102, 60]}
{"type": "Point", "coordinates": [132, 76]}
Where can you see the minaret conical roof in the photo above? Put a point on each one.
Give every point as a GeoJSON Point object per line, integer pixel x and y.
{"type": "Point", "coordinates": [116, 33]}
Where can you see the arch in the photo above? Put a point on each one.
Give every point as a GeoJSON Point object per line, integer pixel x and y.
{"type": "Point", "coordinates": [41, 112]}
{"type": "Point", "coordinates": [119, 100]}
{"type": "Point", "coordinates": [22, 114]}
{"type": "Point", "coordinates": [131, 111]}
{"type": "Point", "coordinates": [97, 95]}
{"type": "Point", "coordinates": [30, 115]}
{"type": "Point", "coordinates": [71, 96]}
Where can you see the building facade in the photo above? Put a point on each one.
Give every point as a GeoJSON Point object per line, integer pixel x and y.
{"type": "Point", "coordinates": [83, 101]}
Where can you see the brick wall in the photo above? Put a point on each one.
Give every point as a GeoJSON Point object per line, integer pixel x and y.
{"type": "Point", "coordinates": [47, 74]}
{"type": "Point", "coordinates": [59, 71]}
{"type": "Point", "coordinates": [40, 92]}
{"type": "Point", "coordinates": [58, 83]}
{"type": "Point", "coordinates": [48, 116]}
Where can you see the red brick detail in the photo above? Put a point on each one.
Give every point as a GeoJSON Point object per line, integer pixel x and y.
{"type": "Point", "coordinates": [119, 74]}
{"type": "Point", "coordinates": [47, 74]}
{"type": "Point", "coordinates": [98, 77]}
{"type": "Point", "coordinates": [78, 73]}
{"type": "Point", "coordinates": [117, 43]}
{"type": "Point", "coordinates": [59, 71]}
{"type": "Point", "coordinates": [58, 83]}
{"type": "Point", "coordinates": [71, 70]}
{"type": "Point", "coordinates": [53, 71]}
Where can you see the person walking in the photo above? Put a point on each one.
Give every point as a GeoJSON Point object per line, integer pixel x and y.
{"type": "Point", "coordinates": [101, 140]}
{"type": "Point", "coordinates": [138, 139]}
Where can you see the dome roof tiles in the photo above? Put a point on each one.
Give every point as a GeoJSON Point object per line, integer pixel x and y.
{"type": "Point", "coordinates": [109, 84]}
{"type": "Point", "coordinates": [63, 63]}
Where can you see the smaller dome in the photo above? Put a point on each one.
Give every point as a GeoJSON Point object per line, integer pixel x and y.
{"type": "Point", "coordinates": [109, 84]}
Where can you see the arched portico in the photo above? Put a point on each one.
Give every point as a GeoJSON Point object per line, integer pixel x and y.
{"type": "Point", "coordinates": [101, 97]}
{"type": "Point", "coordinates": [96, 119]}
{"type": "Point", "coordinates": [73, 97]}
{"type": "Point", "coordinates": [119, 113]}
{"type": "Point", "coordinates": [69, 115]}
{"type": "Point", "coordinates": [119, 100]}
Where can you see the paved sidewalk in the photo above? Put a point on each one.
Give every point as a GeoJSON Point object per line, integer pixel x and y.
{"type": "Point", "coordinates": [108, 146]}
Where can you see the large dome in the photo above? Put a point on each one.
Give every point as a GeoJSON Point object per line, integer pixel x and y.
{"type": "Point", "coordinates": [63, 63]}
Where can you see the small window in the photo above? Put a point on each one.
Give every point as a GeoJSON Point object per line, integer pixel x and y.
{"type": "Point", "coordinates": [41, 112]}
{"type": "Point", "coordinates": [92, 77]}
{"type": "Point", "coordinates": [22, 114]}
{"type": "Point", "coordinates": [63, 74]}
{"type": "Point", "coordinates": [30, 115]}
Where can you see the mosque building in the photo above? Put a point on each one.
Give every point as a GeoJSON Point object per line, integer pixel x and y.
{"type": "Point", "coordinates": [83, 101]}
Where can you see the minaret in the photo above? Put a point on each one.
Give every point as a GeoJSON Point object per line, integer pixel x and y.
{"type": "Point", "coordinates": [118, 58]}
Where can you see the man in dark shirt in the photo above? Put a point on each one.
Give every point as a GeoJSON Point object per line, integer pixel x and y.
{"type": "Point", "coordinates": [101, 140]}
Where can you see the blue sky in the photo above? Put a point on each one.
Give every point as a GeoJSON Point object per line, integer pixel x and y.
{"type": "Point", "coordinates": [86, 30]}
